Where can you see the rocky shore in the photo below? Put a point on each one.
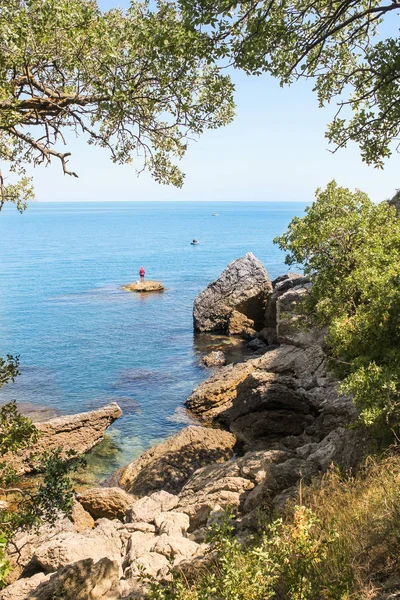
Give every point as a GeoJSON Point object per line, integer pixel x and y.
{"type": "Point", "coordinates": [264, 424]}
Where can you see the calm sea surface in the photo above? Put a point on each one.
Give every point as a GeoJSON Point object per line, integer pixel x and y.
{"type": "Point", "coordinates": [83, 341]}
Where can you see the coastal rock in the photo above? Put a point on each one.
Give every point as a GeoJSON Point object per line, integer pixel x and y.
{"type": "Point", "coordinates": [83, 580]}
{"type": "Point", "coordinates": [239, 324]}
{"type": "Point", "coordinates": [147, 508]}
{"type": "Point", "coordinates": [243, 287]}
{"type": "Point", "coordinates": [65, 548]}
{"type": "Point", "coordinates": [169, 465]}
{"type": "Point", "coordinates": [280, 286]}
{"type": "Point", "coordinates": [291, 327]}
{"type": "Point", "coordinates": [78, 432]}
{"type": "Point", "coordinates": [23, 589]}
{"type": "Point", "coordinates": [218, 392]}
{"type": "Point", "coordinates": [110, 503]}
{"type": "Point", "coordinates": [144, 286]}
{"type": "Point", "coordinates": [172, 523]}
{"type": "Point", "coordinates": [214, 359]}
{"type": "Point", "coordinates": [80, 517]}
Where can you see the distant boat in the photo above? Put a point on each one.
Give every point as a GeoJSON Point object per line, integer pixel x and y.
{"type": "Point", "coordinates": [194, 242]}
{"type": "Point", "coordinates": [215, 215]}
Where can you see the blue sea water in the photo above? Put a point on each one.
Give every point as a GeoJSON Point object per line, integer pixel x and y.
{"type": "Point", "coordinates": [83, 341]}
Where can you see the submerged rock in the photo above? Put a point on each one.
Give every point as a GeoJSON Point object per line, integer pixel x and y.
{"type": "Point", "coordinates": [169, 465]}
{"type": "Point", "coordinates": [243, 287]}
{"type": "Point", "coordinates": [214, 359]}
{"type": "Point", "coordinates": [78, 432]}
{"type": "Point", "coordinates": [144, 286]}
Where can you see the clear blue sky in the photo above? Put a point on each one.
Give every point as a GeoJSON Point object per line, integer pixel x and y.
{"type": "Point", "coordinates": [274, 150]}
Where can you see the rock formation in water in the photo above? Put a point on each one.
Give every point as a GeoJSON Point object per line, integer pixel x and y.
{"type": "Point", "coordinates": [236, 300]}
{"type": "Point", "coordinates": [78, 432]}
{"type": "Point", "coordinates": [144, 286]}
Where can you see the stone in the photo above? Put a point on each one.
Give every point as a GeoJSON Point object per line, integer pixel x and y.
{"type": "Point", "coordinates": [239, 324]}
{"type": "Point", "coordinates": [110, 503]}
{"type": "Point", "coordinates": [83, 580]}
{"type": "Point", "coordinates": [257, 345]}
{"type": "Point", "coordinates": [152, 564]}
{"type": "Point", "coordinates": [243, 287]}
{"type": "Point", "coordinates": [148, 507]}
{"type": "Point", "coordinates": [176, 547]}
{"type": "Point", "coordinates": [78, 432]}
{"type": "Point", "coordinates": [25, 543]}
{"type": "Point", "coordinates": [169, 465]}
{"type": "Point", "coordinates": [22, 589]}
{"type": "Point", "coordinates": [139, 543]}
{"type": "Point", "coordinates": [221, 485]}
{"type": "Point", "coordinates": [68, 547]}
{"type": "Point", "coordinates": [144, 286]}
{"type": "Point", "coordinates": [172, 523]}
{"type": "Point", "coordinates": [280, 286]}
{"type": "Point", "coordinates": [291, 327]}
{"type": "Point", "coordinates": [218, 392]}
{"type": "Point", "coordinates": [80, 517]}
{"type": "Point", "coordinates": [214, 359]}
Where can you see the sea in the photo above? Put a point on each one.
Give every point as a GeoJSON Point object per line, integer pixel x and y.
{"type": "Point", "coordinates": [83, 341]}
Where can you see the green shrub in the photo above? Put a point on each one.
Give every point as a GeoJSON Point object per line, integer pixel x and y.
{"type": "Point", "coordinates": [350, 248]}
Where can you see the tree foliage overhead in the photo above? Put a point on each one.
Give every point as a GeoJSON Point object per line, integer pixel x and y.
{"type": "Point", "coordinates": [332, 42]}
{"type": "Point", "coordinates": [139, 84]}
{"type": "Point", "coordinates": [350, 248]}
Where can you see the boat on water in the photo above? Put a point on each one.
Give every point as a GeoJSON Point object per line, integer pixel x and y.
{"type": "Point", "coordinates": [194, 242]}
{"type": "Point", "coordinates": [215, 215]}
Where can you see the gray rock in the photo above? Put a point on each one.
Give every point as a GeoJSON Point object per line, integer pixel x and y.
{"type": "Point", "coordinates": [281, 285]}
{"type": "Point", "coordinates": [243, 287]}
{"type": "Point", "coordinates": [291, 325]}
{"type": "Point", "coordinates": [169, 465]}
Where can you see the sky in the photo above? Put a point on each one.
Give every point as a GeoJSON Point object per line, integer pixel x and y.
{"type": "Point", "coordinates": [274, 150]}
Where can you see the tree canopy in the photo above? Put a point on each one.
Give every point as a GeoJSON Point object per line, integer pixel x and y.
{"type": "Point", "coordinates": [350, 248]}
{"type": "Point", "coordinates": [332, 42]}
{"type": "Point", "coordinates": [139, 84]}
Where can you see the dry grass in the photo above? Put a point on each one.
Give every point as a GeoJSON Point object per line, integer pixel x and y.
{"type": "Point", "coordinates": [364, 513]}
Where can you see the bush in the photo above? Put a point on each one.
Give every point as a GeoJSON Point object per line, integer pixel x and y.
{"type": "Point", "coordinates": [350, 248]}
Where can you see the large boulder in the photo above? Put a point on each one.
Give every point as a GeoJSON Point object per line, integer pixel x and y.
{"type": "Point", "coordinates": [83, 580]}
{"type": "Point", "coordinates": [110, 503]}
{"type": "Point", "coordinates": [243, 287]}
{"type": "Point", "coordinates": [169, 465]}
{"type": "Point", "coordinates": [78, 432]}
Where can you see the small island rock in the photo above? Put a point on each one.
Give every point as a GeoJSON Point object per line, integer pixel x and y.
{"type": "Point", "coordinates": [144, 286]}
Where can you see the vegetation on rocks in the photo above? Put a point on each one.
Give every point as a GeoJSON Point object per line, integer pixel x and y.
{"type": "Point", "coordinates": [22, 508]}
{"type": "Point", "coordinates": [341, 542]}
{"type": "Point", "coordinates": [350, 248]}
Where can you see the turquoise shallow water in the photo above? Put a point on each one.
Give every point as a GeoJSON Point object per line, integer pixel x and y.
{"type": "Point", "coordinates": [82, 340]}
